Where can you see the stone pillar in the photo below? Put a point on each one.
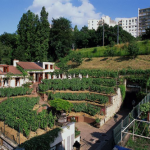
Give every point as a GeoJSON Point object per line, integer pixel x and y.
{"type": "Point", "coordinates": [34, 80]}
{"type": "Point", "coordinates": [49, 76]}
{"type": "Point", "coordinates": [74, 76]}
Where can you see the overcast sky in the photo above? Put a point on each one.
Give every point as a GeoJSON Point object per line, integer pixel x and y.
{"type": "Point", "coordinates": [77, 11]}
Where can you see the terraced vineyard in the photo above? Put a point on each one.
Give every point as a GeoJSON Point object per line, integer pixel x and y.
{"type": "Point", "coordinates": [86, 94]}
{"type": "Point", "coordinates": [18, 114]}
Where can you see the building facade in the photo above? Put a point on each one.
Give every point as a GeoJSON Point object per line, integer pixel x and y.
{"type": "Point", "coordinates": [143, 19]}
{"type": "Point", "coordinates": [107, 20]}
{"type": "Point", "coordinates": [130, 25]}
{"type": "Point", "coordinates": [93, 24]}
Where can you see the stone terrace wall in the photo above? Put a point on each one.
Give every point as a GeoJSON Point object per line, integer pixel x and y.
{"type": "Point", "coordinates": [111, 110]}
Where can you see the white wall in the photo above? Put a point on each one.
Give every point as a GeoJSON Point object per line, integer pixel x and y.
{"type": "Point", "coordinates": [130, 25]}
{"type": "Point", "coordinates": [93, 24]}
{"type": "Point", "coordinates": [66, 136]}
{"type": "Point", "coordinates": [111, 110]}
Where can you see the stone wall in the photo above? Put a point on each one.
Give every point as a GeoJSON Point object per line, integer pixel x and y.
{"type": "Point", "coordinates": [112, 109]}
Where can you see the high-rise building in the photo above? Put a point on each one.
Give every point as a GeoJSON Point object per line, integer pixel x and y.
{"type": "Point", "coordinates": [107, 20]}
{"type": "Point", "coordinates": [93, 24]}
{"type": "Point", "coordinates": [130, 25]}
{"type": "Point", "coordinates": [143, 19]}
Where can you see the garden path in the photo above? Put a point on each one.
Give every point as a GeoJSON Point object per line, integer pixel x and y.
{"type": "Point", "coordinates": [93, 138]}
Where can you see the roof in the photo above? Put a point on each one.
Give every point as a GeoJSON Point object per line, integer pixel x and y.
{"type": "Point", "coordinates": [3, 65]}
{"type": "Point", "coordinates": [14, 70]}
{"type": "Point", "coordinates": [29, 66]}
{"type": "Point", "coordinates": [2, 73]}
{"type": "Point", "coordinates": [56, 68]}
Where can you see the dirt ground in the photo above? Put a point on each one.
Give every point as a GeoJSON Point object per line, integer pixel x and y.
{"type": "Point", "coordinates": [13, 134]}
{"type": "Point", "coordinates": [85, 91]}
{"type": "Point", "coordinates": [86, 115]}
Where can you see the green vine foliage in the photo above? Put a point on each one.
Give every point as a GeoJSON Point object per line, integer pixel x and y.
{"type": "Point", "coordinates": [41, 142]}
{"type": "Point", "coordinates": [24, 72]}
{"type": "Point", "coordinates": [80, 96]}
{"type": "Point", "coordinates": [123, 91]}
{"type": "Point", "coordinates": [77, 84]}
{"type": "Point", "coordinates": [87, 108]}
{"type": "Point", "coordinates": [145, 108]}
{"type": "Point", "coordinates": [93, 73]}
{"type": "Point", "coordinates": [61, 104]}
{"type": "Point", "coordinates": [8, 92]}
{"type": "Point", "coordinates": [27, 118]}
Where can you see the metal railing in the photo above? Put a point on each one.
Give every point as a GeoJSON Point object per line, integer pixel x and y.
{"type": "Point", "coordinates": [129, 118]}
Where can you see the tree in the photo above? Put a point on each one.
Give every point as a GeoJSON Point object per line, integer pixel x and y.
{"type": "Point", "coordinates": [44, 33]}
{"type": "Point", "coordinates": [61, 104]}
{"type": "Point", "coordinates": [27, 29]}
{"type": "Point", "coordinates": [146, 35]}
{"type": "Point", "coordinates": [60, 38]}
{"type": "Point", "coordinates": [133, 49]}
{"type": "Point", "coordinates": [5, 54]}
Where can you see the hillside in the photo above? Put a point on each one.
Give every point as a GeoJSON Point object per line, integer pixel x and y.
{"type": "Point", "coordinates": [119, 50]}
{"type": "Point", "coordinates": [115, 63]}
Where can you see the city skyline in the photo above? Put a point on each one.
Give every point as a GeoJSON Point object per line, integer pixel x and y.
{"type": "Point", "coordinates": [77, 11]}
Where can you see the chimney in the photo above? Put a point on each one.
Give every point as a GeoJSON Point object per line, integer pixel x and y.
{"type": "Point", "coordinates": [15, 62]}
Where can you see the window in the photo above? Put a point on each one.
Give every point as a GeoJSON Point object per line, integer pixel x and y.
{"type": "Point", "coordinates": [132, 20]}
{"type": "Point", "coordinates": [129, 20]}
{"type": "Point", "coordinates": [5, 69]}
{"type": "Point", "coordinates": [51, 66]}
{"type": "Point", "coordinates": [46, 66]}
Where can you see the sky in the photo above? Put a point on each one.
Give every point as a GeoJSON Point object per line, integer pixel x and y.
{"type": "Point", "coordinates": [77, 11]}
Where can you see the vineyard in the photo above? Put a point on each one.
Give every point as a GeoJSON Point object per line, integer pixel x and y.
{"type": "Point", "coordinates": [99, 85]}
{"type": "Point", "coordinates": [8, 92]}
{"type": "Point", "coordinates": [97, 88]}
{"type": "Point", "coordinates": [18, 114]}
{"type": "Point", "coordinates": [80, 97]}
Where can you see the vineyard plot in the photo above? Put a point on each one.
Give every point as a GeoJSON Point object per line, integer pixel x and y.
{"type": "Point", "coordinates": [18, 113]}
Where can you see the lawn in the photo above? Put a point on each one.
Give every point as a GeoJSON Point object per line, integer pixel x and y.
{"type": "Point", "coordinates": [120, 50]}
{"type": "Point", "coordinates": [138, 144]}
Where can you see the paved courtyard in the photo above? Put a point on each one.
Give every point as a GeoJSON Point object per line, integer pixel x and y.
{"type": "Point", "coordinates": [93, 138]}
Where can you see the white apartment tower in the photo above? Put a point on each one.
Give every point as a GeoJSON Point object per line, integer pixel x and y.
{"type": "Point", "coordinates": [93, 24]}
{"type": "Point", "coordinates": [107, 20]}
{"type": "Point", "coordinates": [130, 25]}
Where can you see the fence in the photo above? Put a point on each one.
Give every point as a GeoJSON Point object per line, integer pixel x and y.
{"type": "Point", "coordinates": [129, 118]}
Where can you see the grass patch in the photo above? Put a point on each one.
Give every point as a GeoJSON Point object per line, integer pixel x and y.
{"type": "Point", "coordinates": [117, 63]}
{"type": "Point", "coordinates": [119, 50]}
{"type": "Point", "coordinates": [138, 144]}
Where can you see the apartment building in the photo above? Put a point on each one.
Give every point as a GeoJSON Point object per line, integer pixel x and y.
{"type": "Point", "coordinates": [130, 25]}
{"type": "Point", "coordinates": [107, 20]}
{"type": "Point", "coordinates": [93, 24]}
{"type": "Point", "coordinates": [143, 19]}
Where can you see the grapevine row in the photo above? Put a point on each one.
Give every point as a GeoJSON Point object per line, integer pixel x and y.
{"type": "Point", "coordinates": [78, 84]}
{"type": "Point", "coordinates": [80, 96]}
{"type": "Point", "coordinates": [27, 118]}
{"type": "Point", "coordinates": [87, 108]}
{"type": "Point", "coordinates": [7, 92]}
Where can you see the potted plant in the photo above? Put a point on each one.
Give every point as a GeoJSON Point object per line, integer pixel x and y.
{"type": "Point", "coordinates": [97, 122]}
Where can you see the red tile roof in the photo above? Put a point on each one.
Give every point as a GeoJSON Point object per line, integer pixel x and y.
{"type": "Point", "coordinates": [56, 68]}
{"type": "Point", "coordinates": [2, 73]}
{"type": "Point", "coordinates": [29, 66]}
{"type": "Point", "coordinates": [14, 70]}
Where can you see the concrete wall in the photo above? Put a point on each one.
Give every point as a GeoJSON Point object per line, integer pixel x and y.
{"type": "Point", "coordinates": [111, 110]}
{"type": "Point", "coordinates": [66, 137]}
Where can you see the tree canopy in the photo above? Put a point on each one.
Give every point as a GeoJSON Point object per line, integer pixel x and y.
{"type": "Point", "coordinates": [60, 38]}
